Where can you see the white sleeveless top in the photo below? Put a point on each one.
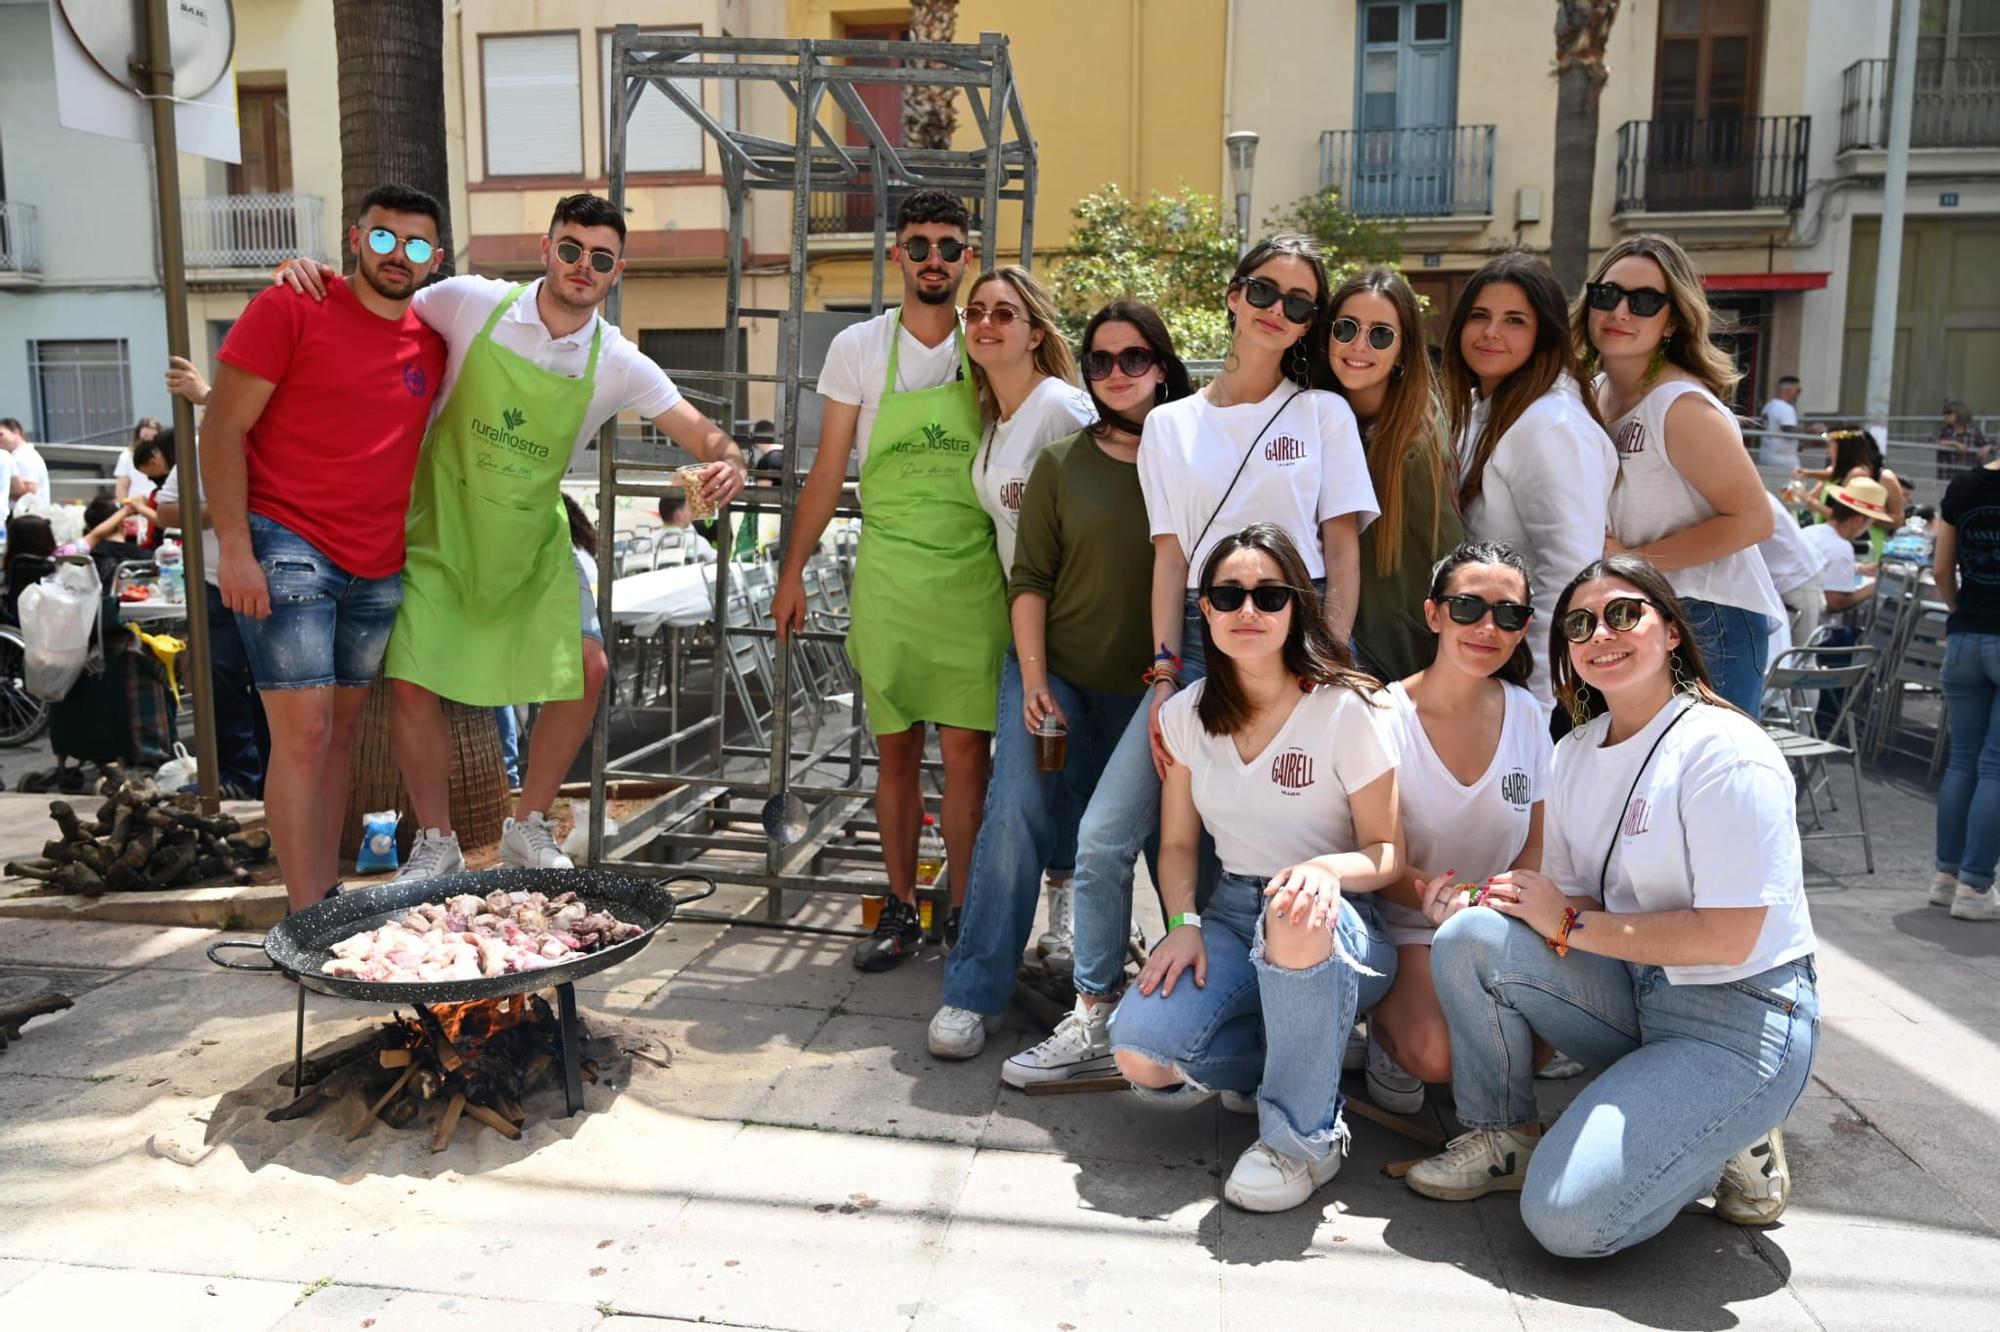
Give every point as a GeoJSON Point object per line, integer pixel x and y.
{"type": "Point", "coordinates": [1652, 500]}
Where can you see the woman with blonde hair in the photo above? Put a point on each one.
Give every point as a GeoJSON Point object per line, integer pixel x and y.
{"type": "Point", "coordinates": [1688, 498]}
{"type": "Point", "coordinates": [1375, 352]}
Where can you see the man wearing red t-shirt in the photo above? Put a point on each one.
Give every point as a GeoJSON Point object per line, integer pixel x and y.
{"type": "Point", "coordinates": [307, 454]}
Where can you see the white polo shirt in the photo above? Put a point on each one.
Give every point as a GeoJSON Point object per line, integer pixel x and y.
{"type": "Point", "coordinates": [627, 379]}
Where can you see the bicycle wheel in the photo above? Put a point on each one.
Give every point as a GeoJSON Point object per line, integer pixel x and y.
{"type": "Point", "coordinates": [23, 717]}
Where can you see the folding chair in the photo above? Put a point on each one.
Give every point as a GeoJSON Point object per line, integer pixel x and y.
{"type": "Point", "coordinates": [1916, 669]}
{"type": "Point", "coordinates": [1804, 672]}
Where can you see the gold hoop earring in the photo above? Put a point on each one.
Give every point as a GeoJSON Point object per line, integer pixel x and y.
{"type": "Point", "coordinates": [1232, 362]}
{"type": "Point", "coordinates": [1658, 365]}
{"type": "Point", "coordinates": [1579, 706]}
{"type": "Point", "coordinates": [1684, 683]}
{"type": "Point", "coordinates": [1301, 364]}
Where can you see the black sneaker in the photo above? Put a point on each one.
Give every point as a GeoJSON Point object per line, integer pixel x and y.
{"type": "Point", "coordinates": [895, 938]}
{"type": "Point", "coordinates": [951, 922]}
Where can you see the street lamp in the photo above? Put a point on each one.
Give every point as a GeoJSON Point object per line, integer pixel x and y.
{"type": "Point", "coordinates": [1242, 145]}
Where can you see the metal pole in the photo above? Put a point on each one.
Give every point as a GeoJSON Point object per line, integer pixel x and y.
{"type": "Point", "coordinates": [1889, 247]}
{"type": "Point", "coordinates": [158, 73]}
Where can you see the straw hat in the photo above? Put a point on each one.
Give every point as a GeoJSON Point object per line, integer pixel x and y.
{"type": "Point", "coordinates": [1866, 496]}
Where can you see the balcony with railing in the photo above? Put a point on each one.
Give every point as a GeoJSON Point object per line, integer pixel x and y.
{"type": "Point", "coordinates": [20, 260]}
{"type": "Point", "coordinates": [1956, 104]}
{"type": "Point", "coordinates": [836, 213]}
{"type": "Point", "coordinates": [1740, 165]}
{"type": "Point", "coordinates": [255, 231]}
{"type": "Point", "coordinates": [1434, 175]}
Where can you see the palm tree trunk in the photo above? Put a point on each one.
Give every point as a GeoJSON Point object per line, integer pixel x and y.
{"type": "Point", "coordinates": [1583, 29]}
{"type": "Point", "coordinates": [930, 114]}
{"type": "Point", "coordinates": [391, 71]}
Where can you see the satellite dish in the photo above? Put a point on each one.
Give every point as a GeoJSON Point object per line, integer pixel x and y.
{"type": "Point", "coordinates": [200, 33]}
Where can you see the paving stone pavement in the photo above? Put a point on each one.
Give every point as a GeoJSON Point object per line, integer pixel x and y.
{"type": "Point", "coordinates": [804, 1164]}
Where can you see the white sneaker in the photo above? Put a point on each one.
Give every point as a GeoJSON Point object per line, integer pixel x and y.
{"type": "Point", "coordinates": [1356, 1055]}
{"type": "Point", "coordinates": [431, 854]}
{"type": "Point", "coordinates": [1756, 1183]}
{"type": "Point", "coordinates": [1475, 1164]}
{"type": "Point", "coordinates": [960, 1033]}
{"type": "Point", "coordinates": [528, 844]}
{"type": "Point", "coordinates": [1057, 943]}
{"type": "Point", "coordinates": [1080, 1048]}
{"type": "Point", "coordinates": [1389, 1086]}
{"type": "Point", "coordinates": [1266, 1180]}
{"type": "Point", "coordinates": [1236, 1103]}
{"type": "Point", "coordinates": [1944, 887]}
{"type": "Point", "coordinates": [1969, 905]}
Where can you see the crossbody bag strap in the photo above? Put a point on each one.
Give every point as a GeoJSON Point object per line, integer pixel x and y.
{"type": "Point", "coordinates": [1239, 472]}
{"type": "Point", "coordinates": [1605, 868]}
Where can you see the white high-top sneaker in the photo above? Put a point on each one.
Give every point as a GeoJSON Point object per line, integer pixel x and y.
{"type": "Point", "coordinates": [431, 854]}
{"type": "Point", "coordinates": [1080, 1048]}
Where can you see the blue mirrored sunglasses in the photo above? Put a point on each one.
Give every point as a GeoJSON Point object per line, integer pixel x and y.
{"type": "Point", "coordinates": [383, 241]}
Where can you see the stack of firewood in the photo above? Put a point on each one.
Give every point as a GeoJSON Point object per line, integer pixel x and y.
{"type": "Point", "coordinates": [143, 839]}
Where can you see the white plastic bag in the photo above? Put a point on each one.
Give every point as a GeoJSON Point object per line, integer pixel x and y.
{"type": "Point", "coordinates": [58, 616]}
{"type": "Point", "coordinates": [179, 771]}
{"type": "Point", "coordinates": [576, 845]}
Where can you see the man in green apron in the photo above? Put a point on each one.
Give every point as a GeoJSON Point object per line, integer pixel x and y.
{"type": "Point", "coordinates": [929, 620]}
{"type": "Point", "coordinates": [497, 608]}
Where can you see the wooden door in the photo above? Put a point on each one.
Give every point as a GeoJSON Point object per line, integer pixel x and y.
{"type": "Point", "coordinates": [885, 102]}
{"type": "Point", "coordinates": [1405, 104]}
{"type": "Point", "coordinates": [254, 230]}
{"type": "Point", "coordinates": [1704, 137]}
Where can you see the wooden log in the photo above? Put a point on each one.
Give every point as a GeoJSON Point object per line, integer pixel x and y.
{"type": "Point", "coordinates": [1410, 1129]}
{"type": "Point", "coordinates": [493, 1120]}
{"type": "Point", "coordinates": [332, 1058]}
{"type": "Point", "coordinates": [449, 1124]}
{"type": "Point", "coordinates": [169, 865]}
{"type": "Point", "coordinates": [29, 869]}
{"type": "Point", "coordinates": [121, 829]}
{"type": "Point", "coordinates": [1106, 1082]}
{"type": "Point", "coordinates": [376, 1108]}
{"type": "Point", "coordinates": [13, 1015]}
{"type": "Point", "coordinates": [80, 879]}
{"type": "Point", "coordinates": [395, 1058]}
{"type": "Point", "coordinates": [66, 819]}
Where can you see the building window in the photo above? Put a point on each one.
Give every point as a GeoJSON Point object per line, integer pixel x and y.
{"type": "Point", "coordinates": [685, 352]}
{"type": "Point", "coordinates": [659, 136]}
{"type": "Point", "coordinates": [533, 102]}
{"type": "Point", "coordinates": [82, 389]}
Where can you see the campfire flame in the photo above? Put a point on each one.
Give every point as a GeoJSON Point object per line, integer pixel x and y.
{"type": "Point", "coordinates": [470, 1025]}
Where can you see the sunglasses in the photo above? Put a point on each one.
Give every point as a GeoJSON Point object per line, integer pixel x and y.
{"type": "Point", "coordinates": [1645, 302]}
{"type": "Point", "coordinates": [919, 249]}
{"type": "Point", "coordinates": [1131, 363]}
{"type": "Point", "coordinates": [1264, 295]}
{"type": "Point", "coordinates": [603, 261]}
{"type": "Point", "coordinates": [383, 241]}
{"type": "Point", "coordinates": [1000, 316]}
{"type": "Point", "coordinates": [1380, 336]}
{"type": "Point", "coordinates": [1621, 616]}
{"type": "Point", "coordinates": [1465, 608]}
{"type": "Point", "coordinates": [1270, 598]}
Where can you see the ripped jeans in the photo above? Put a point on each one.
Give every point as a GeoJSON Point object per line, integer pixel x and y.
{"type": "Point", "coordinates": [1261, 1028]}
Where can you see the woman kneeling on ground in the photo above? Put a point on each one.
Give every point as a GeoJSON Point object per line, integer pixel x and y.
{"type": "Point", "coordinates": [1472, 748]}
{"type": "Point", "coordinates": [1667, 945]}
{"type": "Point", "coordinates": [1280, 755]}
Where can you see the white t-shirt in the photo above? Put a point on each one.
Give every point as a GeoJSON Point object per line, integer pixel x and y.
{"type": "Point", "coordinates": [1779, 415]}
{"type": "Point", "coordinates": [141, 485]}
{"type": "Point", "coordinates": [1839, 571]}
{"type": "Point", "coordinates": [6, 482]}
{"type": "Point", "coordinates": [1054, 410]}
{"type": "Point", "coordinates": [627, 379]}
{"type": "Point", "coordinates": [1547, 491]}
{"type": "Point", "coordinates": [857, 367]}
{"type": "Point", "coordinates": [1475, 829]}
{"type": "Point", "coordinates": [1711, 823]}
{"type": "Point", "coordinates": [1306, 466]}
{"type": "Point", "coordinates": [1289, 803]}
{"type": "Point", "coordinates": [211, 549]}
{"type": "Point", "coordinates": [29, 467]}
{"type": "Point", "coordinates": [1788, 557]}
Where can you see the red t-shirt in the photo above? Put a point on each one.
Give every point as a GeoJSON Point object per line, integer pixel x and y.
{"type": "Point", "coordinates": [333, 454]}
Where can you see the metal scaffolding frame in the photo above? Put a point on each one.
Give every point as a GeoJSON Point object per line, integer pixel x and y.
{"type": "Point", "coordinates": [702, 818]}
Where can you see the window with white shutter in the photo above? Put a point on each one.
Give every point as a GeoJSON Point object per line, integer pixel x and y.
{"type": "Point", "coordinates": [533, 98]}
{"type": "Point", "coordinates": [659, 136]}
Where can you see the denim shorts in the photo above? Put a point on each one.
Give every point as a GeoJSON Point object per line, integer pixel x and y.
{"type": "Point", "coordinates": [591, 628]}
{"type": "Point", "coordinates": [326, 626]}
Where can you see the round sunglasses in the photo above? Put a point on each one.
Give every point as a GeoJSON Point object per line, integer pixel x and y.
{"type": "Point", "coordinates": [1644, 302]}
{"type": "Point", "coordinates": [1000, 316]}
{"type": "Point", "coordinates": [1264, 295]}
{"type": "Point", "coordinates": [383, 241]}
{"type": "Point", "coordinates": [1621, 616]}
{"type": "Point", "coordinates": [1466, 608]}
{"type": "Point", "coordinates": [1227, 598]}
{"type": "Point", "coordinates": [1380, 336]}
{"type": "Point", "coordinates": [1130, 362]}
{"type": "Point", "coordinates": [602, 261]}
{"type": "Point", "coordinates": [919, 249]}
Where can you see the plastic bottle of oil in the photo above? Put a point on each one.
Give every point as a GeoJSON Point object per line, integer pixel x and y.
{"type": "Point", "coordinates": [930, 864]}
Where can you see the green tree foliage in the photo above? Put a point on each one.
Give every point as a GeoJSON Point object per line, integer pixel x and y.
{"type": "Point", "coordinates": [1176, 252]}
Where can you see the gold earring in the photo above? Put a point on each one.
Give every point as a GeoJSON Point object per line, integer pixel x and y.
{"type": "Point", "coordinates": [1579, 706]}
{"type": "Point", "coordinates": [1684, 683]}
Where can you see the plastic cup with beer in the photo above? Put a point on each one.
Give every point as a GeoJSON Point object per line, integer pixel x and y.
{"type": "Point", "coordinates": [1051, 743]}
{"type": "Point", "coordinates": [700, 507]}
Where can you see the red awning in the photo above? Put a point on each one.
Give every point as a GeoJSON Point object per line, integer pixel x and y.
{"type": "Point", "coordinates": [1764, 281]}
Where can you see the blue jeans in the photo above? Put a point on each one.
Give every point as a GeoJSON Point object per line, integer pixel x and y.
{"type": "Point", "coordinates": [1255, 1027]}
{"type": "Point", "coordinates": [1688, 1075]}
{"type": "Point", "coordinates": [510, 742]}
{"type": "Point", "coordinates": [242, 737]}
{"type": "Point", "coordinates": [1733, 643]}
{"type": "Point", "coordinates": [326, 626]}
{"type": "Point", "coordinates": [1122, 819]}
{"type": "Point", "coordinates": [1021, 831]}
{"type": "Point", "coordinates": [1968, 811]}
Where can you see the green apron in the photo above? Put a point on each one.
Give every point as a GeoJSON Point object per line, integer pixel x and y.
{"type": "Point", "coordinates": [490, 612]}
{"type": "Point", "coordinates": [930, 606]}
